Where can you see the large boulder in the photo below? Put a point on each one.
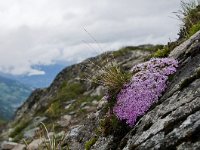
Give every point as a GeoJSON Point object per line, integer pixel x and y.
{"type": "Point", "coordinates": [174, 122]}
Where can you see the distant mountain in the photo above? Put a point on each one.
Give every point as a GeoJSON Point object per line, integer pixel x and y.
{"type": "Point", "coordinates": [12, 95]}
{"type": "Point", "coordinates": [14, 90]}
{"type": "Point", "coordinates": [39, 81]}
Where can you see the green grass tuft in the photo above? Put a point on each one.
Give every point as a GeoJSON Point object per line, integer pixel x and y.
{"type": "Point", "coordinates": [90, 143]}
{"type": "Point", "coordinates": [19, 127]}
{"type": "Point", "coordinates": [189, 15]}
{"type": "Point", "coordinates": [53, 142]}
{"type": "Point", "coordinates": [161, 52]}
{"type": "Point", "coordinates": [164, 51]}
{"type": "Point", "coordinates": [54, 110]}
{"type": "Point", "coordinates": [112, 77]}
{"type": "Point", "coordinates": [195, 28]}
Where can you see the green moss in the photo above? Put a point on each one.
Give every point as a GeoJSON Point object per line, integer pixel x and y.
{"type": "Point", "coordinates": [90, 143]}
{"type": "Point", "coordinates": [164, 51]}
{"type": "Point", "coordinates": [195, 28]}
{"type": "Point", "coordinates": [161, 52]}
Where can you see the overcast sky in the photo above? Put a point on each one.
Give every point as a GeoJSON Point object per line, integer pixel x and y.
{"type": "Point", "coordinates": [44, 32]}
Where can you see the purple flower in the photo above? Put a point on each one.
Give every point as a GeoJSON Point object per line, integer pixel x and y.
{"type": "Point", "coordinates": [144, 89]}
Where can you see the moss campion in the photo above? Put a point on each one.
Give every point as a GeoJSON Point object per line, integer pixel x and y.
{"type": "Point", "coordinates": [144, 89]}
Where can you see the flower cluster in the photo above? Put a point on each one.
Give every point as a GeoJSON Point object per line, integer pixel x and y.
{"type": "Point", "coordinates": [144, 89]}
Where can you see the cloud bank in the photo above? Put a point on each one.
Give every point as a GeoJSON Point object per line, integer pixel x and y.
{"type": "Point", "coordinates": [44, 32]}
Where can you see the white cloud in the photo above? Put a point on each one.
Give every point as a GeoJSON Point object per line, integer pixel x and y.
{"type": "Point", "coordinates": [47, 31]}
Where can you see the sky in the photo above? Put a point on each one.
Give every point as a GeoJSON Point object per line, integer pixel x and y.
{"type": "Point", "coordinates": [45, 32]}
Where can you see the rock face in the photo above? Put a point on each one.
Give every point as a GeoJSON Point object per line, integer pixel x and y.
{"type": "Point", "coordinates": [172, 123]}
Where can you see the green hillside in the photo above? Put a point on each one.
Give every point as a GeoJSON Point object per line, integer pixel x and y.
{"type": "Point", "coordinates": [12, 95]}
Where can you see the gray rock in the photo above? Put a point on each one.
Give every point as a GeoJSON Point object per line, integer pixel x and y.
{"type": "Point", "coordinates": [73, 136]}
{"type": "Point", "coordinates": [182, 48]}
{"type": "Point", "coordinates": [65, 120]}
{"type": "Point", "coordinates": [37, 120]}
{"type": "Point", "coordinates": [83, 104]}
{"type": "Point", "coordinates": [30, 134]}
{"type": "Point", "coordinates": [72, 113]}
{"type": "Point", "coordinates": [102, 143]}
{"type": "Point", "coordinates": [8, 145]}
{"type": "Point", "coordinates": [70, 102]}
{"type": "Point", "coordinates": [95, 102]}
{"type": "Point", "coordinates": [90, 108]}
{"type": "Point", "coordinates": [34, 145]}
{"type": "Point", "coordinates": [98, 91]}
{"type": "Point", "coordinates": [102, 103]}
{"type": "Point", "coordinates": [189, 146]}
{"type": "Point", "coordinates": [74, 131]}
{"type": "Point", "coordinates": [68, 106]}
{"type": "Point", "coordinates": [19, 147]}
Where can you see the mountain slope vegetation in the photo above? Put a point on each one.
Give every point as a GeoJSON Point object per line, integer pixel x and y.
{"type": "Point", "coordinates": [12, 95]}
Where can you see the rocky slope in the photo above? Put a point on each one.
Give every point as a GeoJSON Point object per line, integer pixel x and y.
{"type": "Point", "coordinates": [68, 99]}
{"type": "Point", "coordinates": [172, 123]}
{"type": "Point", "coordinates": [75, 108]}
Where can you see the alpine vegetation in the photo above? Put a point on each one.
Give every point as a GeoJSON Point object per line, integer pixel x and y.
{"type": "Point", "coordinates": [144, 89]}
